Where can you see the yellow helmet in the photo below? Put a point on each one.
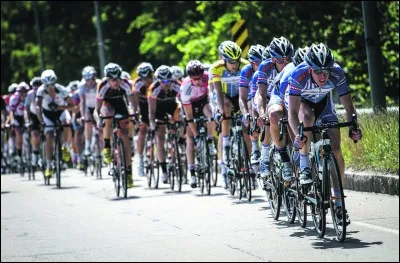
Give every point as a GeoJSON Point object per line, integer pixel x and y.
{"type": "Point", "coordinates": [231, 51]}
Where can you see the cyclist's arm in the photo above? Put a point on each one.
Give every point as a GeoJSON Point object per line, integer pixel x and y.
{"type": "Point", "coordinates": [69, 106]}
{"type": "Point", "coordinates": [133, 102]}
{"type": "Point", "coordinates": [243, 93]}
{"type": "Point", "coordinates": [220, 96]}
{"type": "Point", "coordinates": [39, 101]}
{"type": "Point", "coordinates": [293, 112]}
{"type": "Point", "coordinates": [152, 111]}
{"type": "Point", "coordinates": [82, 104]}
{"type": "Point", "coordinates": [348, 105]}
{"type": "Point", "coordinates": [27, 109]}
{"type": "Point", "coordinates": [189, 116]}
{"type": "Point", "coordinates": [262, 99]}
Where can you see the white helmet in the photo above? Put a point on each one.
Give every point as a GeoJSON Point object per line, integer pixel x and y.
{"type": "Point", "coordinates": [48, 77]}
{"type": "Point", "coordinates": [12, 88]}
{"type": "Point", "coordinates": [145, 70]}
{"type": "Point", "coordinates": [177, 72]}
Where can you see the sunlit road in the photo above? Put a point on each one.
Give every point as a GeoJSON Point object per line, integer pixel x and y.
{"type": "Point", "coordinates": [84, 221]}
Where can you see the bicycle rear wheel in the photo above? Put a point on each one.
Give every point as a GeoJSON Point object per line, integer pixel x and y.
{"type": "Point", "coordinates": [207, 172]}
{"type": "Point", "coordinates": [178, 166]}
{"type": "Point", "coordinates": [245, 170]}
{"type": "Point", "coordinates": [300, 202]}
{"type": "Point", "coordinates": [122, 168]}
{"type": "Point", "coordinates": [339, 224]}
{"type": "Point", "coordinates": [214, 169]}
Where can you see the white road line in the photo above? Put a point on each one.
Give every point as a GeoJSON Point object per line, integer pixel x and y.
{"type": "Point", "coordinates": [377, 227]}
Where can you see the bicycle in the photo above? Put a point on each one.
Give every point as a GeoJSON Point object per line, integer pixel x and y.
{"type": "Point", "coordinates": [57, 156]}
{"type": "Point", "coordinates": [204, 159]}
{"type": "Point", "coordinates": [150, 160]}
{"type": "Point", "coordinates": [174, 158]}
{"type": "Point", "coordinates": [28, 152]}
{"type": "Point", "coordinates": [325, 171]}
{"type": "Point", "coordinates": [240, 161]}
{"type": "Point", "coordinates": [118, 167]}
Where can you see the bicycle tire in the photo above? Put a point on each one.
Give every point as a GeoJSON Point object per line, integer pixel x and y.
{"type": "Point", "coordinates": [339, 225]}
{"type": "Point", "coordinates": [300, 202]}
{"type": "Point", "coordinates": [177, 165]}
{"type": "Point", "coordinates": [245, 166]}
{"type": "Point", "coordinates": [318, 211]}
{"type": "Point", "coordinates": [98, 160]}
{"type": "Point", "coordinates": [207, 174]}
{"type": "Point", "coordinates": [275, 199]}
{"type": "Point", "coordinates": [214, 175]}
{"type": "Point", "coordinates": [122, 167]}
{"type": "Point", "coordinates": [58, 160]}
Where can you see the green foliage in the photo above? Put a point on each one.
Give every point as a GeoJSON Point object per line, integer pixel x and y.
{"type": "Point", "coordinates": [379, 148]}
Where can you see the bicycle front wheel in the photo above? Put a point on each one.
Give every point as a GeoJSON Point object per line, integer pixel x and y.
{"type": "Point", "coordinates": [58, 161]}
{"type": "Point", "coordinates": [318, 211]}
{"type": "Point", "coordinates": [122, 168]}
{"type": "Point", "coordinates": [339, 223]}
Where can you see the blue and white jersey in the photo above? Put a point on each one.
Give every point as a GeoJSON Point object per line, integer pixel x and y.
{"type": "Point", "coordinates": [283, 80]}
{"type": "Point", "coordinates": [266, 75]}
{"type": "Point", "coordinates": [254, 87]}
{"type": "Point", "coordinates": [301, 83]}
{"type": "Point", "coordinates": [246, 76]}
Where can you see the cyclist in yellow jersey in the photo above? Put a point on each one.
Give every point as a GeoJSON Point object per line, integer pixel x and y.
{"type": "Point", "coordinates": [225, 78]}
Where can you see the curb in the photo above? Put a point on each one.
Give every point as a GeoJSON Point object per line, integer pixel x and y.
{"type": "Point", "coordinates": [371, 182]}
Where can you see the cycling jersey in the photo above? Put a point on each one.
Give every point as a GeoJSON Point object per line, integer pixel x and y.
{"type": "Point", "coordinates": [140, 87]}
{"type": "Point", "coordinates": [59, 100]}
{"type": "Point", "coordinates": [88, 93]}
{"type": "Point", "coordinates": [167, 100]}
{"type": "Point", "coordinates": [267, 73]}
{"type": "Point", "coordinates": [302, 84]}
{"type": "Point", "coordinates": [117, 98]}
{"type": "Point", "coordinates": [190, 93]}
{"type": "Point", "coordinates": [254, 87]}
{"type": "Point", "coordinates": [229, 81]}
{"type": "Point", "coordinates": [17, 104]}
{"type": "Point", "coordinates": [30, 101]}
{"type": "Point", "coordinates": [246, 76]}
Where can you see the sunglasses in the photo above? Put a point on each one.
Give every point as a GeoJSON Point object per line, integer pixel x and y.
{"type": "Point", "coordinates": [196, 78]}
{"type": "Point", "coordinates": [165, 81]}
{"type": "Point", "coordinates": [322, 71]}
{"type": "Point", "coordinates": [49, 85]}
{"type": "Point", "coordinates": [114, 79]}
{"type": "Point", "coordinates": [283, 60]}
{"type": "Point", "coordinates": [232, 62]}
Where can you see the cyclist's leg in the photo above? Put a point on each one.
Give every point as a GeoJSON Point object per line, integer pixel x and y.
{"type": "Point", "coordinates": [65, 119]}
{"type": "Point", "coordinates": [18, 129]}
{"type": "Point", "coordinates": [124, 126]}
{"type": "Point", "coordinates": [144, 115]}
{"type": "Point", "coordinates": [210, 128]}
{"type": "Point", "coordinates": [35, 138]}
{"type": "Point", "coordinates": [107, 110]}
{"type": "Point", "coordinates": [275, 113]}
{"type": "Point", "coordinates": [49, 133]}
{"type": "Point", "coordinates": [160, 141]}
{"type": "Point", "coordinates": [88, 129]}
{"type": "Point", "coordinates": [190, 157]}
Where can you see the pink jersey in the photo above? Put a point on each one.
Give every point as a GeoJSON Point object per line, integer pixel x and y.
{"type": "Point", "coordinates": [191, 93]}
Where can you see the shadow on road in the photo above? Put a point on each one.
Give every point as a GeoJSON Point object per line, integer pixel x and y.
{"type": "Point", "coordinates": [65, 187]}
{"type": "Point", "coordinates": [7, 192]}
{"type": "Point", "coordinates": [205, 194]}
{"type": "Point", "coordinates": [123, 199]}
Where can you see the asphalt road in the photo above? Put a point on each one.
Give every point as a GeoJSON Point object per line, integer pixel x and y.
{"type": "Point", "coordinates": [84, 221]}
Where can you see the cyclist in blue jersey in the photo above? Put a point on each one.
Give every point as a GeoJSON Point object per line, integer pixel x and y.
{"type": "Point", "coordinates": [276, 110]}
{"type": "Point", "coordinates": [281, 51]}
{"type": "Point", "coordinates": [310, 100]}
{"type": "Point", "coordinates": [255, 56]}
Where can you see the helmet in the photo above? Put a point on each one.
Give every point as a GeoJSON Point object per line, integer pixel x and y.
{"type": "Point", "coordinates": [36, 82]}
{"type": "Point", "coordinates": [255, 53]}
{"type": "Point", "coordinates": [281, 47]}
{"type": "Point", "coordinates": [177, 72]}
{"type": "Point", "coordinates": [23, 86]}
{"type": "Point", "coordinates": [221, 47]}
{"type": "Point", "coordinates": [145, 70]}
{"type": "Point", "coordinates": [319, 57]}
{"type": "Point", "coordinates": [125, 75]}
{"type": "Point", "coordinates": [194, 68]}
{"type": "Point", "coordinates": [163, 72]}
{"type": "Point", "coordinates": [299, 55]}
{"type": "Point", "coordinates": [88, 72]}
{"type": "Point", "coordinates": [12, 88]}
{"type": "Point", "coordinates": [48, 77]}
{"type": "Point", "coordinates": [231, 51]}
{"type": "Point", "coordinates": [112, 70]}
{"type": "Point", "coordinates": [73, 85]}
{"type": "Point", "coordinates": [266, 53]}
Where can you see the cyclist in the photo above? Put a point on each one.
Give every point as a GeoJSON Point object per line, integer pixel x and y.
{"type": "Point", "coordinates": [163, 99]}
{"type": "Point", "coordinates": [255, 57]}
{"type": "Point", "coordinates": [281, 52]}
{"type": "Point", "coordinates": [177, 73]}
{"type": "Point", "coordinates": [30, 108]}
{"type": "Point", "coordinates": [225, 78]}
{"type": "Point", "coordinates": [309, 96]}
{"type": "Point", "coordinates": [10, 135]}
{"type": "Point", "coordinates": [140, 87]}
{"type": "Point", "coordinates": [87, 96]}
{"type": "Point", "coordinates": [196, 103]}
{"type": "Point", "coordinates": [78, 124]}
{"type": "Point", "coordinates": [53, 103]}
{"type": "Point", "coordinates": [17, 108]}
{"type": "Point", "coordinates": [112, 98]}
